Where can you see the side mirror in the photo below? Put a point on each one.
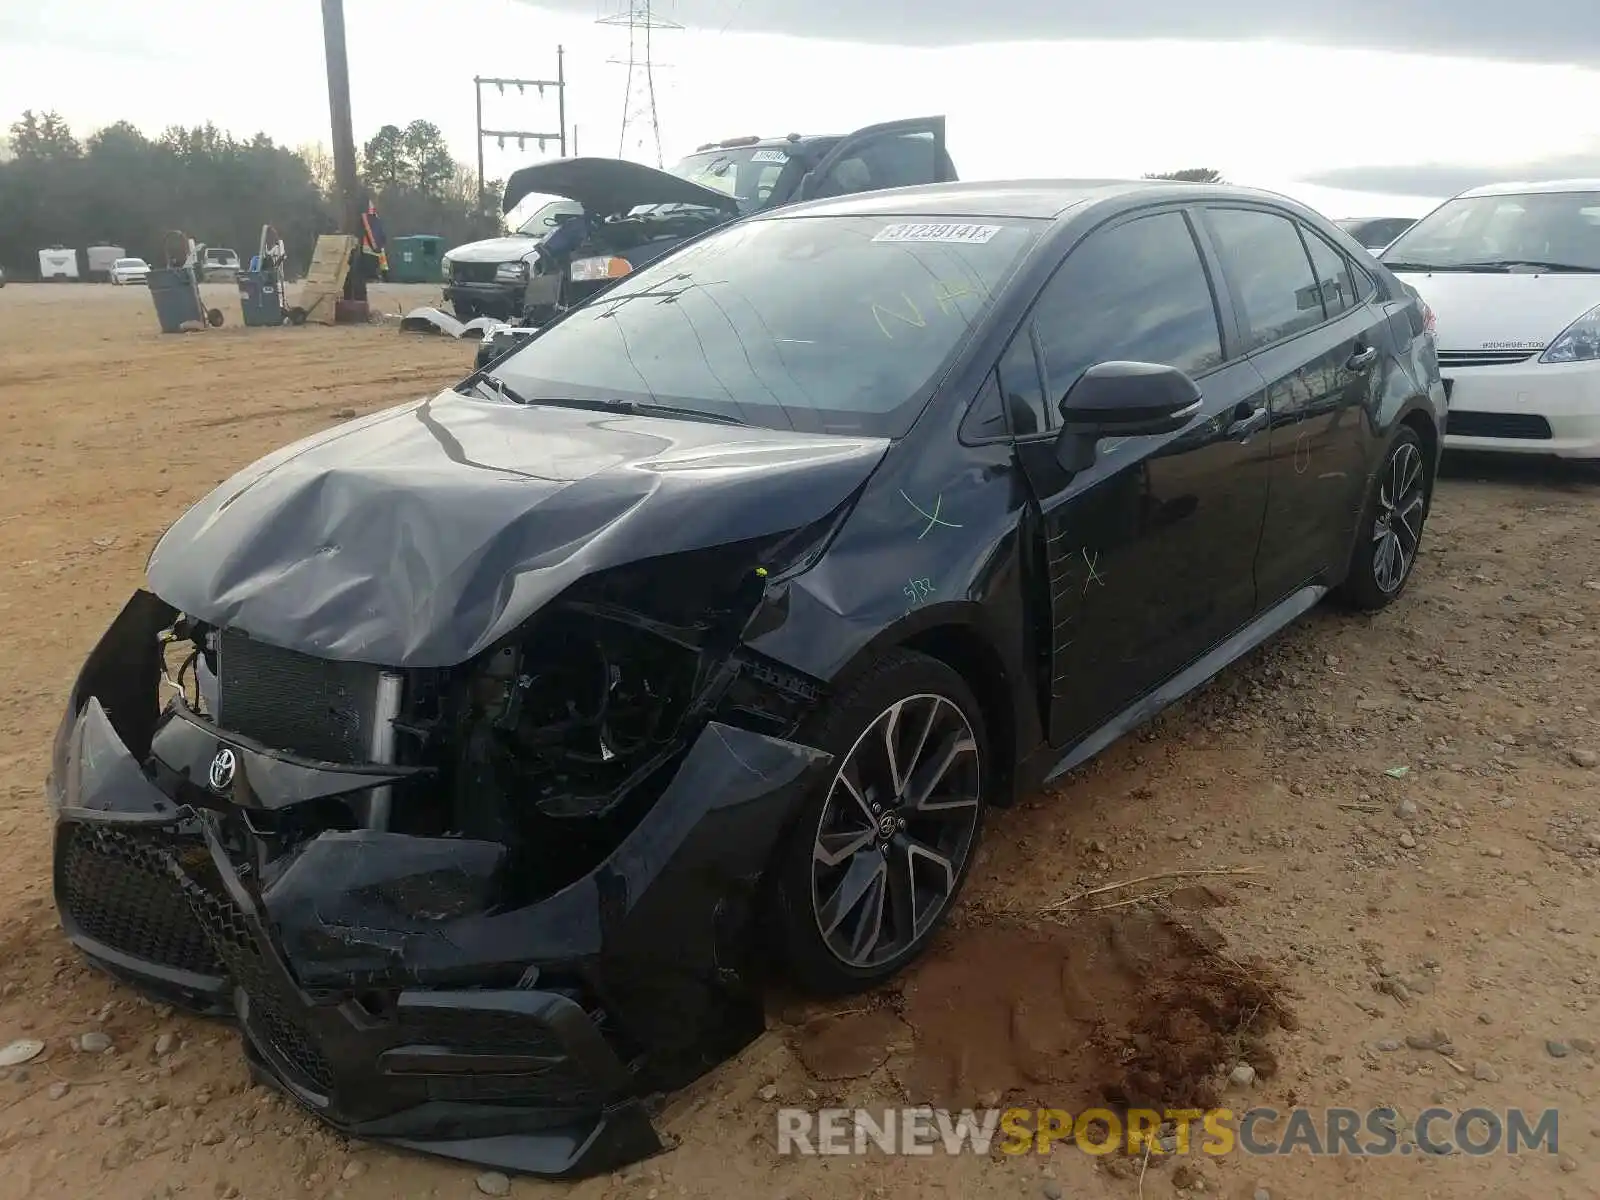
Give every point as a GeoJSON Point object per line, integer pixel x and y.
{"type": "Point", "coordinates": [1126, 399]}
{"type": "Point", "coordinates": [1123, 399]}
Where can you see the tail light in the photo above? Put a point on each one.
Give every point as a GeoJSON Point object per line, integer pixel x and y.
{"type": "Point", "coordinates": [1429, 325]}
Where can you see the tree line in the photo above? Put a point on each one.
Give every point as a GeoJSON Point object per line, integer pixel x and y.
{"type": "Point", "coordinates": [118, 186]}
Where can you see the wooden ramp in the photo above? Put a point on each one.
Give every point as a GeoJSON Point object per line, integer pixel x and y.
{"type": "Point", "coordinates": [325, 279]}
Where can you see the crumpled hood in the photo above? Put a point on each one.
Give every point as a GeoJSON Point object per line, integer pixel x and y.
{"type": "Point", "coordinates": [609, 185]}
{"type": "Point", "coordinates": [419, 536]}
{"type": "Point", "coordinates": [495, 250]}
{"type": "Point", "coordinates": [1497, 311]}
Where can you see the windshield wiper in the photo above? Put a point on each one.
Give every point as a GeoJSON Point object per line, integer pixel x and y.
{"type": "Point", "coordinates": [499, 389]}
{"type": "Point", "coordinates": [674, 410]}
{"type": "Point", "coordinates": [1506, 264]}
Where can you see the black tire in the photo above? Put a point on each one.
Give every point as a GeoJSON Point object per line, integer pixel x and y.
{"type": "Point", "coordinates": [1377, 576]}
{"type": "Point", "coordinates": [933, 842]}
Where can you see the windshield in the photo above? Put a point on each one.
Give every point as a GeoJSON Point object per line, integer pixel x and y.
{"type": "Point", "coordinates": [129, 262]}
{"type": "Point", "coordinates": [820, 324]}
{"type": "Point", "coordinates": [748, 174]}
{"type": "Point", "coordinates": [1560, 230]}
{"type": "Point", "coordinates": [547, 216]}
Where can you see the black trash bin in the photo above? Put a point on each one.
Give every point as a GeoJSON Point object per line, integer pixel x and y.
{"type": "Point", "coordinates": [176, 297]}
{"type": "Point", "coordinates": [261, 297]}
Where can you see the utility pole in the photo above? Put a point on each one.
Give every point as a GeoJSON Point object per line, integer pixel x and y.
{"type": "Point", "coordinates": [639, 95]}
{"type": "Point", "coordinates": [524, 136]}
{"type": "Point", "coordinates": [344, 140]}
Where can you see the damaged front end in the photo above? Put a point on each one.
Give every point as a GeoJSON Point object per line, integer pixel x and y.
{"type": "Point", "coordinates": [484, 911]}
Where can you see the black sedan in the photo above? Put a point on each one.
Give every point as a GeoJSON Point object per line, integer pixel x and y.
{"type": "Point", "coordinates": [505, 725]}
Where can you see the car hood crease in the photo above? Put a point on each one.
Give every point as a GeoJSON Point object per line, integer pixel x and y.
{"type": "Point", "coordinates": [421, 535]}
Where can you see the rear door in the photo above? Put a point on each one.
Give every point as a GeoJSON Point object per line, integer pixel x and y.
{"type": "Point", "coordinates": [1319, 348]}
{"type": "Point", "coordinates": [893, 154]}
{"type": "Point", "coordinates": [1148, 553]}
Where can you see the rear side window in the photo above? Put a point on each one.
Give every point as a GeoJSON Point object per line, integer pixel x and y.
{"type": "Point", "coordinates": [1136, 291]}
{"type": "Point", "coordinates": [1269, 267]}
{"type": "Point", "coordinates": [1334, 280]}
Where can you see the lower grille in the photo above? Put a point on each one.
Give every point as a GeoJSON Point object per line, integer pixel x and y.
{"type": "Point", "coordinates": [116, 887]}
{"type": "Point", "coordinates": [270, 1016]}
{"type": "Point", "coordinates": [1498, 425]}
{"type": "Point", "coordinates": [473, 272]}
{"type": "Point", "coordinates": [312, 707]}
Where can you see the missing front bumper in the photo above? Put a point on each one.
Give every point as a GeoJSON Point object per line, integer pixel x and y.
{"type": "Point", "coordinates": [377, 987]}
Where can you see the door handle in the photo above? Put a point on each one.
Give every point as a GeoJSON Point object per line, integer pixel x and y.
{"type": "Point", "coordinates": [1248, 420]}
{"type": "Point", "coordinates": [1361, 360]}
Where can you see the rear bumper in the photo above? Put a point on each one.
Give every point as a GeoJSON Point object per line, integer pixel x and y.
{"type": "Point", "coordinates": [1526, 408]}
{"type": "Point", "coordinates": [379, 980]}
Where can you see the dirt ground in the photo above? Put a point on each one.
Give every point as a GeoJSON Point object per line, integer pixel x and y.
{"type": "Point", "coordinates": [1400, 812]}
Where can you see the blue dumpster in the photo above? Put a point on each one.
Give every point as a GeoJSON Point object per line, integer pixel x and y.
{"type": "Point", "coordinates": [177, 298]}
{"type": "Point", "coordinates": [261, 297]}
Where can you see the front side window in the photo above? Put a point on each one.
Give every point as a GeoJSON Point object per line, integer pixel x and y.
{"type": "Point", "coordinates": [1269, 267]}
{"type": "Point", "coordinates": [1137, 291]}
{"type": "Point", "coordinates": [824, 324]}
{"type": "Point", "coordinates": [886, 160]}
{"type": "Point", "coordinates": [1555, 230]}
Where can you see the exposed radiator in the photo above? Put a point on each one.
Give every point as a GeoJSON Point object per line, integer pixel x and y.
{"type": "Point", "coordinates": [289, 701]}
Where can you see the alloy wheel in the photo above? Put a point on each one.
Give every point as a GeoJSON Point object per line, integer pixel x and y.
{"type": "Point", "coordinates": [1402, 498]}
{"type": "Point", "coordinates": [896, 828]}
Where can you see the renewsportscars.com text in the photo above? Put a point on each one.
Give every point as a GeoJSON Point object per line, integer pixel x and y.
{"type": "Point", "coordinates": [1376, 1132]}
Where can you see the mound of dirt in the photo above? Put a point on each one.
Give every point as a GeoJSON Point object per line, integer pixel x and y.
{"type": "Point", "coordinates": [1125, 1009]}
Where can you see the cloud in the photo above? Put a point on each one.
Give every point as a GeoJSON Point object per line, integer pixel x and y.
{"type": "Point", "coordinates": [1446, 179]}
{"type": "Point", "coordinates": [1530, 30]}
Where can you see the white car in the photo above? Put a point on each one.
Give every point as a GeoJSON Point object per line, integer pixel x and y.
{"type": "Point", "coordinates": [218, 263]}
{"type": "Point", "coordinates": [1512, 274]}
{"type": "Point", "coordinates": [130, 270]}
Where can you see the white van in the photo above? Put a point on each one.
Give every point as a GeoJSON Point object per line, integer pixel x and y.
{"type": "Point", "coordinates": [1512, 273]}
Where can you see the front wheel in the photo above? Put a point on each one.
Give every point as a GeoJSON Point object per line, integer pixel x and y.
{"type": "Point", "coordinates": [1390, 532]}
{"type": "Point", "coordinates": [878, 855]}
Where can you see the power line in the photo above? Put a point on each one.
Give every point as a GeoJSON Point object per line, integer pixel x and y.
{"type": "Point", "coordinates": [524, 136]}
{"type": "Point", "coordinates": [639, 113]}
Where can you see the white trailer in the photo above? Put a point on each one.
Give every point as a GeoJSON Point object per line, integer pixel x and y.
{"type": "Point", "coordinates": [58, 263]}
{"type": "Point", "coordinates": [102, 258]}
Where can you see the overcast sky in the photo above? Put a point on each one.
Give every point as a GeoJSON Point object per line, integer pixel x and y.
{"type": "Point", "coordinates": [1360, 108]}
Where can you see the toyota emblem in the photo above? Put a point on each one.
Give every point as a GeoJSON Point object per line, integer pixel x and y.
{"type": "Point", "coordinates": [222, 768]}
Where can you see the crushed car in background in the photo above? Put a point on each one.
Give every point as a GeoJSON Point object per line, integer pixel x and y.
{"type": "Point", "coordinates": [614, 216]}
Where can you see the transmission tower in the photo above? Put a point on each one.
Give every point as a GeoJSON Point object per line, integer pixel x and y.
{"type": "Point", "coordinates": [639, 99]}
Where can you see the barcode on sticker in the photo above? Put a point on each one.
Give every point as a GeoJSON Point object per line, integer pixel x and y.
{"type": "Point", "coordinates": [772, 156]}
{"type": "Point", "coordinates": [936, 232]}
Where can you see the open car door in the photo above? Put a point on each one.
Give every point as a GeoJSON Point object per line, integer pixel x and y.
{"type": "Point", "coordinates": [893, 154]}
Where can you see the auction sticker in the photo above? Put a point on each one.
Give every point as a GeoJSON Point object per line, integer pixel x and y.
{"type": "Point", "coordinates": [769, 156]}
{"type": "Point", "coordinates": [936, 232]}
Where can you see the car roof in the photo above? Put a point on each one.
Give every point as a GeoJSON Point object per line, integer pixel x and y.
{"type": "Point", "coordinates": [1545, 185]}
{"type": "Point", "coordinates": [1035, 198]}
